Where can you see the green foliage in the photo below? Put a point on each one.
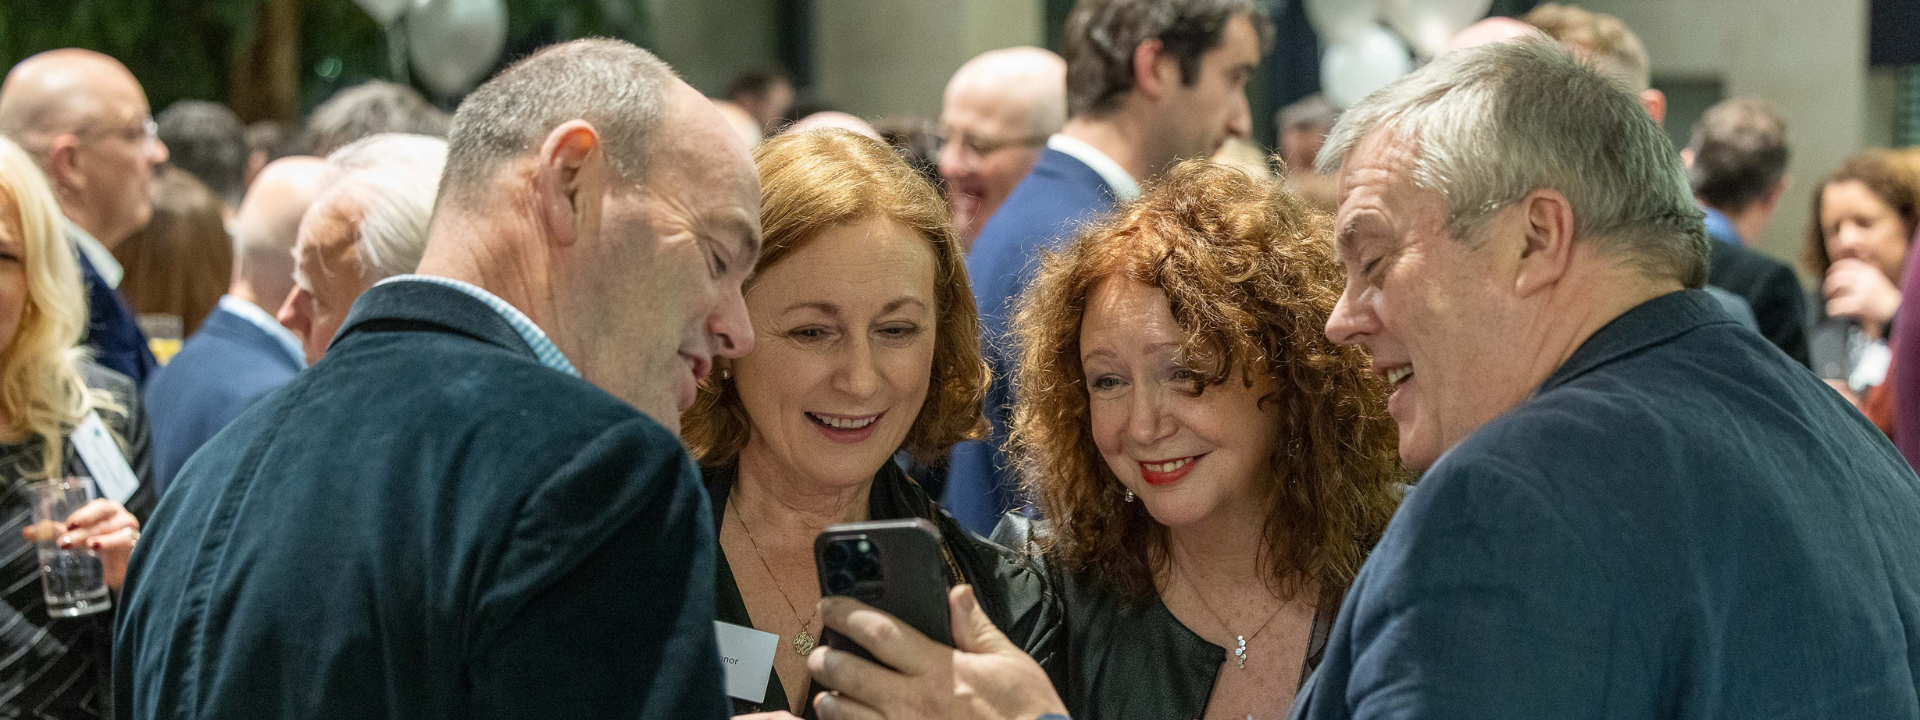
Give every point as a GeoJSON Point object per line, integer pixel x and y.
{"type": "Point", "coordinates": [185, 48]}
{"type": "Point", "coordinates": [177, 48]}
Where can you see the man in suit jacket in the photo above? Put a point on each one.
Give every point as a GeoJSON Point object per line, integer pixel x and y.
{"type": "Point", "coordinates": [475, 505]}
{"type": "Point", "coordinates": [997, 112]}
{"type": "Point", "coordinates": [85, 120]}
{"type": "Point", "coordinates": [1632, 507]}
{"type": "Point", "coordinates": [1737, 165]}
{"type": "Point", "coordinates": [1131, 114]}
{"type": "Point", "coordinates": [240, 352]}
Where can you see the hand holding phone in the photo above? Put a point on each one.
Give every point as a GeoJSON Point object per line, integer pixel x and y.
{"type": "Point", "coordinates": [896, 566]}
{"type": "Point", "coordinates": [981, 675]}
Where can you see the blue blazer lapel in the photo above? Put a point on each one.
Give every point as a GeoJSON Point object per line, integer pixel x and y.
{"type": "Point", "coordinates": [1067, 169]}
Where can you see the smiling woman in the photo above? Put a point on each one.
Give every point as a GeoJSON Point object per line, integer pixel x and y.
{"type": "Point", "coordinates": [1214, 468]}
{"type": "Point", "coordinates": [867, 345]}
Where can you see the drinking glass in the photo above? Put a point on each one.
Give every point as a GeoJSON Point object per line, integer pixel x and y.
{"type": "Point", "coordinates": [73, 579]}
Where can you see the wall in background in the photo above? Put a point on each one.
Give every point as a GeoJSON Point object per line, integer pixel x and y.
{"type": "Point", "coordinates": [880, 57]}
{"type": "Point", "coordinates": [712, 40]}
{"type": "Point", "coordinates": [884, 57]}
{"type": "Point", "coordinates": [1808, 58]}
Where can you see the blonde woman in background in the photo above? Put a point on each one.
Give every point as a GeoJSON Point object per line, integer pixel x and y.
{"type": "Point", "coordinates": [53, 669]}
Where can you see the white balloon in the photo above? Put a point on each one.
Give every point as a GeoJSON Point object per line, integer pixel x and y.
{"type": "Point", "coordinates": [454, 43]}
{"type": "Point", "coordinates": [1351, 70]}
{"type": "Point", "coordinates": [1429, 24]}
{"type": "Point", "coordinates": [384, 11]}
{"type": "Point", "coordinates": [1337, 20]}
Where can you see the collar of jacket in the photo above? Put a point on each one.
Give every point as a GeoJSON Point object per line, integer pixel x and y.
{"type": "Point", "coordinates": [400, 305]}
{"type": "Point", "coordinates": [1650, 323]}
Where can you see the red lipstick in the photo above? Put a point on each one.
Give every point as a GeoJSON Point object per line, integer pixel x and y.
{"type": "Point", "coordinates": [1164, 476]}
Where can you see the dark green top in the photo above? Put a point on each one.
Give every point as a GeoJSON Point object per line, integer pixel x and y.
{"type": "Point", "coordinates": [1128, 658]}
{"type": "Point", "coordinates": [1010, 587]}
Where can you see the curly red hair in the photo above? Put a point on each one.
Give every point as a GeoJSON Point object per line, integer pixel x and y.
{"type": "Point", "coordinates": [1249, 272]}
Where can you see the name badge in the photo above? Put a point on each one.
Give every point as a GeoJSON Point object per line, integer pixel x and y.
{"type": "Point", "coordinates": [747, 656]}
{"type": "Point", "coordinates": [104, 459]}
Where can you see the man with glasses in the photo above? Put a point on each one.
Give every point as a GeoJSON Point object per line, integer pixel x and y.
{"type": "Point", "coordinates": [1149, 83]}
{"type": "Point", "coordinates": [85, 120]}
{"type": "Point", "coordinates": [995, 118]}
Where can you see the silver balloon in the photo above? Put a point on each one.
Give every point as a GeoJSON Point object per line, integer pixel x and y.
{"type": "Point", "coordinates": [454, 43]}
{"type": "Point", "coordinates": [384, 12]}
{"type": "Point", "coordinates": [1353, 68]}
{"type": "Point", "coordinates": [1336, 20]}
{"type": "Point", "coordinates": [1429, 24]}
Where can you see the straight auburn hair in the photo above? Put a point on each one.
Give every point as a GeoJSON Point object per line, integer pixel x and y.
{"type": "Point", "coordinates": [814, 180]}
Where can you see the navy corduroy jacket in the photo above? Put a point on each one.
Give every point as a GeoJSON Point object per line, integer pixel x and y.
{"type": "Point", "coordinates": [428, 523]}
{"type": "Point", "coordinates": [1681, 523]}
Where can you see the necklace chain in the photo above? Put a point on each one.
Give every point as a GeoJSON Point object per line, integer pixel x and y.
{"type": "Point", "coordinates": [1239, 653]}
{"type": "Point", "coordinates": [803, 641]}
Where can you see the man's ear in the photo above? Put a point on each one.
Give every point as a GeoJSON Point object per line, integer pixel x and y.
{"type": "Point", "coordinates": [570, 180]}
{"type": "Point", "coordinates": [1546, 228]}
{"type": "Point", "coordinates": [1656, 104]}
{"type": "Point", "coordinates": [1150, 68]}
{"type": "Point", "coordinates": [63, 166]}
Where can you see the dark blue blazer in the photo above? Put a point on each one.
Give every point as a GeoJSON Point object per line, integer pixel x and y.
{"type": "Point", "coordinates": [426, 524]}
{"type": "Point", "coordinates": [222, 369]}
{"type": "Point", "coordinates": [1769, 286]}
{"type": "Point", "coordinates": [116, 340]}
{"type": "Point", "coordinates": [1681, 523]}
{"type": "Point", "coordinates": [1042, 213]}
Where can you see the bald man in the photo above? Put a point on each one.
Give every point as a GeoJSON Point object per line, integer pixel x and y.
{"type": "Point", "coordinates": [85, 120]}
{"type": "Point", "coordinates": [740, 121]}
{"type": "Point", "coordinates": [1498, 28]}
{"type": "Point", "coordinates": [998, 111]}
{"type": "Point", "coordinates": [240, 353]}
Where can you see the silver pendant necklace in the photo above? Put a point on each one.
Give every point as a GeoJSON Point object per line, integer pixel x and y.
{"type": "Point", "coordinates": [1240, 652]}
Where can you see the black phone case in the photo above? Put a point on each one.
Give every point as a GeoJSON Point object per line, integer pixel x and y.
{"type": "Point", "coordinates": [913, 584]}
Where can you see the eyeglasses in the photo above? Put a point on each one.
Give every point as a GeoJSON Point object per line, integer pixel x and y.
{"type": "Point", "coordinates": [146, 131]}
{"type": "Point", "coordinates": [982, 147]}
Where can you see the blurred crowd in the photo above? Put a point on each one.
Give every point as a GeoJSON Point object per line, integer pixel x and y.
{"type": "Point", "coordinates": [1474, 399]}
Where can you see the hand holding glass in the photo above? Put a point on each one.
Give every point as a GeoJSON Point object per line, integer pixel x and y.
{"type": "Point", "coordinates": [74, 579]}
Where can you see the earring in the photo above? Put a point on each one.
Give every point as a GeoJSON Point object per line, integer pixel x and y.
{"type": "Point", "coordinates": [1129, 495]}
{"type": "Point", "coordinates": [726, 374]}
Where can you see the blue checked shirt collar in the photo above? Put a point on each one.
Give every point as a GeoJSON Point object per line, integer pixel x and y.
{"type": "Point", "coordinates": [537, 340]}
{"type": "Point", "coordinates": [1720, 228]}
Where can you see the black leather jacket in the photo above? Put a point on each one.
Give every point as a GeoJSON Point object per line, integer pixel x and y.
{"type": "Point", "coordinates": [1010, 586]}
{"type": "Point", "coordinates": [1132, 660]}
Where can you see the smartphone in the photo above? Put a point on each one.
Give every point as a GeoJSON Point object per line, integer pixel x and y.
{"type": "Point", "coordinates": [896, 566]}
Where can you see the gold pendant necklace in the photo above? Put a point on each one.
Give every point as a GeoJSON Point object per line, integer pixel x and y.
{"type": "Point", "coordinates": [803, 642]}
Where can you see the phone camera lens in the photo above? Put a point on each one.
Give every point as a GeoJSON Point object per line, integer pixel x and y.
{"type": "Point", "coordinates": [835, 554]}
{"type": "Point", "coordinates": [840, 583]}
{"type": "Point", "coordinates": [866, 568]}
